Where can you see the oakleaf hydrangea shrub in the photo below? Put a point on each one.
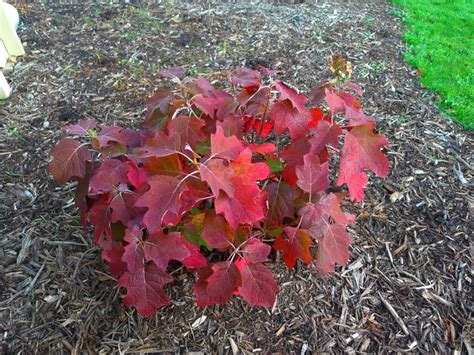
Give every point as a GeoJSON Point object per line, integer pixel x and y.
{"type": "Point", "coordinates": [225, 169]}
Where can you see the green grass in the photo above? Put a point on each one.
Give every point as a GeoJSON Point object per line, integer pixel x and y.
{"type": "Point", "coordinates": [440, 38]}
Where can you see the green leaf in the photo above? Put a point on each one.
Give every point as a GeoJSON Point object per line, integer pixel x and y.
{"type": "Point", "coordinates": [195, 238]}
{"type": "Point", "coordinates": [194, 211]}
{"type": "Point", "coordinates": [118, 231]}
{"type": "Point", "coordinates": [202, 148]}
{"type": "Point", "coordinates": [275, 231]}
{"type": "Point", "coordinates": [275, 165]}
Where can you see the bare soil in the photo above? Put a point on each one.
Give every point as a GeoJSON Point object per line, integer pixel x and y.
{"type": "Point", "coordinates": [408, 285]}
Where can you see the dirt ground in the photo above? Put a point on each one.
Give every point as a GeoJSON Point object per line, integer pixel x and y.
{"type": "Point", "coordinates": [408, 285]}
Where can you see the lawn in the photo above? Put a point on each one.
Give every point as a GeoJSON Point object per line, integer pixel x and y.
{"type": "Point", "coordinates": [440, 37]}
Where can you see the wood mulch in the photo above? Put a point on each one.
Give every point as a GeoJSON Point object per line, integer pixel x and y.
{"type": "Point", "coordinates": [407, 287]}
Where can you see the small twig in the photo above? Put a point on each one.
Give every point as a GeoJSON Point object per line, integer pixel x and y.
{"type": "Point", "coordinates": [8, 153]}
{"type": "Point", "coordinates": [433, 296]}
{"type": "Point", "coordinates": [33, 282]}
{"type": "Point", "coordinates": [394, 314]}
{"type": "Point", "coordinates": [264, 118]}
{"type": "Point", "coordinates": [389, 253]}
{"type": "Point", "coordinates": [460, 174]}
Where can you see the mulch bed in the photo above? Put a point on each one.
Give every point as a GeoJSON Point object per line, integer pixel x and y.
{"type": "Point", "coordinates": [408, 284]}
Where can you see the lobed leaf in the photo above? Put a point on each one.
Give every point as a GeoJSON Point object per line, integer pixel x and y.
{"type": "Point", "coordinates": [217, 283]}
{"type": "Point", "coordinates": [258, 286]}
{"type": "Point", "coordinates": [333, 248]}
{"type": "Point", "coordinates": [246, 207]}
{"type": "Point", "coordinates": [145, 288]}
{"type": "Point", "coordinates": [312, 176]}
{"type": "Point", "coordinates": [288, 118]}
{"type": "Point", "coordinates": [69, 160]}
{"type": "Point", "coordinates": [162, 201]}
{"type": "Point", "coordinates": [361, 151]}
{"type": "Point", "coordinates": [281, 199]}
{"type": "Point", "coordinates": [225, 147]}
{"type": "Point", "coordinates": [83, 127]}
{"type": "Point", "coordinates": [295, 246]}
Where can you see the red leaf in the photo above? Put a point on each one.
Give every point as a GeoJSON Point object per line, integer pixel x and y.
{"type": "Point", "coordinates": [258, 284]}
{"type": "Point", "coordinates": [249, 122]}
{"type": "Point", "coordinates": [324, 134]}
{"type": "Point", "coordinates": [167, 165]}
{"type": "Point", "coordinates": [354, 87]}
{"type": "Point", "coordinates": [217, 283]}
{"type": "Point", "coordinates": [246, 77]}
{"type": "Point", "coordinates": [109, 176]}
{"type": "Point", "coordinates": [318, 214]}
{"type": "Point", "coordinates": [294, 153]}
{"type": "Point", "coordinates": [161, 145]}
{"type": "Point", "coordinates": [350, 100]}
{"type": "Point", "coordinates": [333, 248]}
{"type": "Point", "coordinates": [100, 217]}
{"type": "Point", "coordinates": [82, 127]}
{"type": "Point", "coordinates": [216, 231]}
{"type": "Point", "coordinates": [112, 134]}
{"type": "Point", "coordinates": [134, 254]}
{"type": "Point", "coordinates": [202, 86]}
{"type": "Point", "coordinates": [112, 253]}
{"type": "Point", "coordinates": [262, 128]}
{"type": "Point", "coordinates": [254, 251]}
{"type": "Point", "coordinates": [145, 289]}
{"type": "Point", "coordinates": [332, 208]}
{"type": "Point", "coordinates": [195, 261]}
{"type": "Point", "coordinates": [289, 174]}
{"type": "Point", "coordinates": [162, 201]}
{"type": "Point", "coordinates": [123, 207]}
{"type": "Point", "coordinates": [326, 222]}
{"type": "Point", "coordinates": [246, 172]}
{"type": "Point", "coordinates": [312, 176]}
{"type": "Point", "coordinates": [263, 148]}
{"type": "Point", "coordinates": [289, 118]}
{"type": "Point", "coordinates": [232, 126]}
{"type": "Point", "coordinates": [157, 109]}
{"type": "Point", "coordinates": [82, 189]}
{"type": "Point", "coordinates": [217, 175]}
{"type": "Point", "coordinates": [361, 151]}
{"type": "Point", "coordinates": [254, 102]}
{"type": "Point", "coordinates": [136, 175]}
{"type": "Point", "coordinates": [248, 206]}
{"type": "Point", "coordinates": [358, 118]}
{"type": "Point", "coordinates": [225, 147]}
{"type": "Point", "coordinates": [218, 106]}
{"type": "Point", "coordinates": [297, 100]}
{"type": "Point", "coordinates": [317, 93]}
{"type": "Point", "coordinates": [316, 115]}
{"type": "Point", "coordinates": [281, 202]}
{"type": "Point", "coordinates": [69, 160]}
{"type": "Point", "coordinates": [335, 102]}
{"type": "Point", "coordinates": [196, 191]}
{"type": "Point", "coordinates": [161, 248]}
{"type": "Point", "coordinates": [188, 128]}
{"type": "Point", "coordinates": [295, 247]}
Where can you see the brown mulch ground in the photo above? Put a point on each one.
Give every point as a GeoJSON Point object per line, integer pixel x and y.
{"type": "Point", "coordinates": [408, 284]}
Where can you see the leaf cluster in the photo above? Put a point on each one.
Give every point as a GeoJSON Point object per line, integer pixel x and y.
{"type": "Point", "coordinates": [225, 169]}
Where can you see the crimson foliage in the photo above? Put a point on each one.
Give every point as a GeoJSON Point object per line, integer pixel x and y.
{"type": "Point", "coordinates": [216, 179]}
